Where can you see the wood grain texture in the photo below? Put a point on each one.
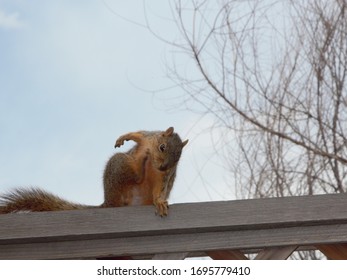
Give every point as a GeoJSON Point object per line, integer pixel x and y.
{"type": "Point", "coordinates": [142, 245]}
{"type": "Point", "coordinates": [276, 253]}
{"type": "Point", "coordinates": [334, 251]}
{"type": "Point", "coordinates": [170, 256]}
{"type": "Point", "coordinates": [192, 227]}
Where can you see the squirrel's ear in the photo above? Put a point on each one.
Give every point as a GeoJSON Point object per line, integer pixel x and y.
{"type": "Point", "coordinates": [184, 143]}
{"type": "Point", "coordinates": [169, 131]}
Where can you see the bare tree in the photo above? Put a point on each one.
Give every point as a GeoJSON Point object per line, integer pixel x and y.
{"type": "Point", "coordinates": [273, 74]}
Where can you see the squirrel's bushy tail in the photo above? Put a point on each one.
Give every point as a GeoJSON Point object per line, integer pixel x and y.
{"type": "Point", "coordinates": [34, 200]}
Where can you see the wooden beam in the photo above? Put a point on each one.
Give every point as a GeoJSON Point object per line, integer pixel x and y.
{"type": "Point", "coordinates": [183, 218]}
{"type": "Point", "coordinates": [334, 251]}
{"type": "Point", "coordinates": [226, 255]}
{"type": "Point", "coordinates": [193, 227]}
{"type": "Point", "coordinates": [171, 256]}
{"type": "Point", "coordinates": [174, 243]}
{"type": "Point", "coordinates": [277, 253]}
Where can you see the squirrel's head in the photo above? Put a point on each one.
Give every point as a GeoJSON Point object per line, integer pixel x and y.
{"type": "Point", "coordinates": [170, 148]}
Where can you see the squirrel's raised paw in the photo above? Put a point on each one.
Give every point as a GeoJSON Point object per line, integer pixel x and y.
{"type": "Point", "coordinates": [161, 207]}
{"type": "Point", "coordinates": [119, 142]}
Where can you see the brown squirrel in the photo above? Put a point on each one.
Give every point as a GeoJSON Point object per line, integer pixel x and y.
{"type": "Point", "coordinates": [142, 176]}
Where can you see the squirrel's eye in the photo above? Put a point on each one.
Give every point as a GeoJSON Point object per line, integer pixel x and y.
{"type": "Point", "coordinates": [162, 147]}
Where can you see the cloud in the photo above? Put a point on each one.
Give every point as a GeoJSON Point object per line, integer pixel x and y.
{"type": "Point", "coordinates": [10, 21]}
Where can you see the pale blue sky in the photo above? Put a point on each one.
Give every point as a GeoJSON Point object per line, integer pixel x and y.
{"type": "Point", "coordinates": [72, 75]}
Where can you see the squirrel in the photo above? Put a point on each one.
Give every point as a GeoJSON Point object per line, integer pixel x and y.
{"type": "Point", "coordinates": [144, 175]}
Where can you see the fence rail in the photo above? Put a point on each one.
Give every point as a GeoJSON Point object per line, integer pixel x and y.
{"type": "Point", "coordinates": [273, 228]}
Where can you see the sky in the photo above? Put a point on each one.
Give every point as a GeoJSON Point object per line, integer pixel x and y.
{"type": "Point", "coordinates": [75, 75]}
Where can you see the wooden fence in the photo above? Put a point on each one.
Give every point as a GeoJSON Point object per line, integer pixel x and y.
{"type": "Point", "coordinates": [273, 228]}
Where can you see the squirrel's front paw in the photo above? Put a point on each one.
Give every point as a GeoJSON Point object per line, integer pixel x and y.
{"type": "Point", "coordinates": [119, 142]}
{"type": "Point", "coordinates": [161, 207]}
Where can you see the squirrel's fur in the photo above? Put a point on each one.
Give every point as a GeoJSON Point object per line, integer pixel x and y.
{"type": "Point", "coordinates": [34, 200]}
{"type": "Point", "coordinates": [142, 176]}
